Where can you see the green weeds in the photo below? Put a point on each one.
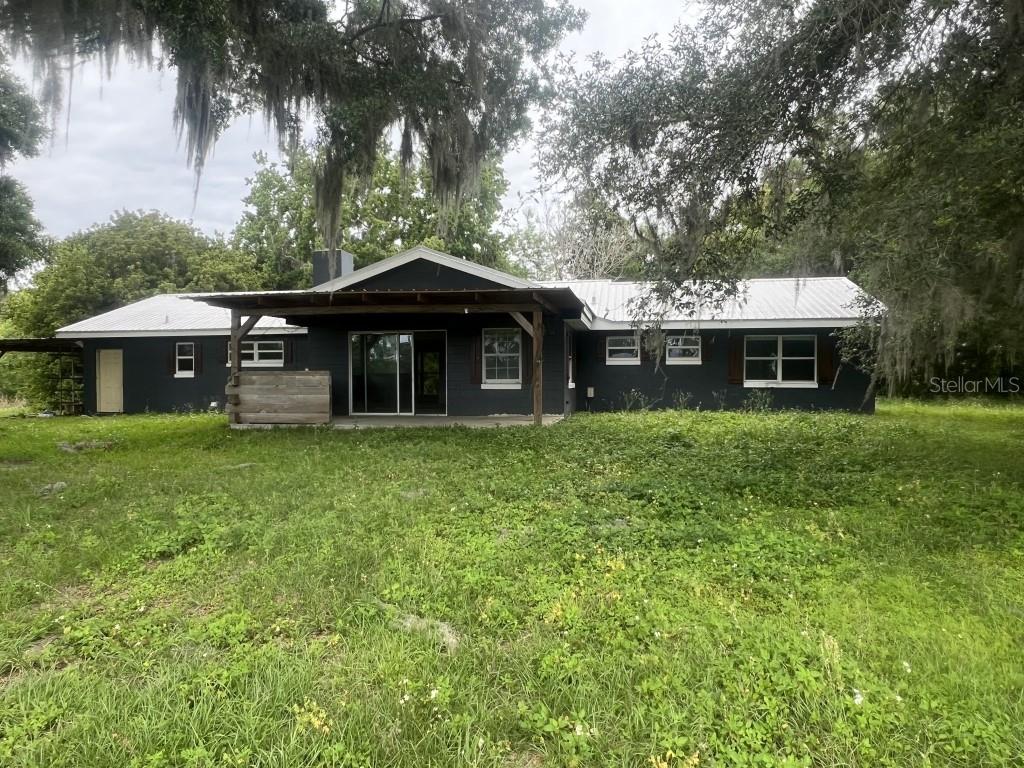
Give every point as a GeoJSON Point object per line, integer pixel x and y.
{"type": "Point", "coordinates": [667, 589]}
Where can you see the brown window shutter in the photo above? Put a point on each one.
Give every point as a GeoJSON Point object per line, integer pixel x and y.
{"type": "Point", "coordinates": [172, 361]}
{"type": "Point", "coordinates": [707, 344]}
{"type": "Point", "coordinates": [826, 364]}
{"type": "Point", "coordinates": [288, 352]}
{"type": "Point", "coordinates": [735, 359]}
{"type": "Point", "coordinates": [526, 356]}
{"type": "Point", "coordinates": [197, 350]}
{"type": "Point", "coordinates": [476, 355]}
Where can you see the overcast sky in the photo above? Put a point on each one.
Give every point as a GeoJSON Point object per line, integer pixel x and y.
{"type": "Point", "coordinates": [121, 151]}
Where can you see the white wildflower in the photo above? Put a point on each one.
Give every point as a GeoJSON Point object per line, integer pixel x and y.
{"type": "Point", "coordinates": [858, 697]}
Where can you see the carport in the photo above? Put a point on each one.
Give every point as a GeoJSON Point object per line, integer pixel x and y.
{"type": "Point", "coordinates": [67, 378]}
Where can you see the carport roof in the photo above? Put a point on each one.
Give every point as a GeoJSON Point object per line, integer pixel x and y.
{"type": "Point", "coordinates": [58, 346]}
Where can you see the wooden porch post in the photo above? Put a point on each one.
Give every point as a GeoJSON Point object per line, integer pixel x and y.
{"type": "Point", "coordinates": [538, 367]}
{"type": "Point", "coordinates": [235, 347]}
{"type": "Point", "coordinates": [239, 330]}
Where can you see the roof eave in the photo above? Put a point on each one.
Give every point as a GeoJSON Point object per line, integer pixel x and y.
{"type": "Point", "coordinates": [604, 324]}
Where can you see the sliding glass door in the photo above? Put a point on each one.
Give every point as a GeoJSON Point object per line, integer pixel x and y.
{"type": "Point", "coordinates": [385, 372]}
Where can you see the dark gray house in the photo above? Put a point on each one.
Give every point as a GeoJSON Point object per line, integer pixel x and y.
{"type": "Point", "coordinates": [424, 333]}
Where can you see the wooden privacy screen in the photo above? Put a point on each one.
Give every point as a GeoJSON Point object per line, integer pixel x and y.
{"type": "Point", "coordinates": [280, 397]}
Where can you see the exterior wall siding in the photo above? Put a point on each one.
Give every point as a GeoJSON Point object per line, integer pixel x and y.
{"type": "Point", "coordinates": [149, 381]}
{"type": "Point", "coordinates": [704, 386]}
{"type": "Point", "coordinates": [150, 385]}
{"type": "Point", "coordinates": [329, 350]}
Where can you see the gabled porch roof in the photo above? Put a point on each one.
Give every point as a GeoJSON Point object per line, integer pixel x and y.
{"type": "Point", "coordinates": [422, 253]}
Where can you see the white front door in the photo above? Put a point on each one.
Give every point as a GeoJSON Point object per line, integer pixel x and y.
{"type": "Point", "coordinates": [109, 381]}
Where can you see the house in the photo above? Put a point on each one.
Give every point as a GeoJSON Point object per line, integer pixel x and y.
{"type": "Point", "coordinates": [424, 333]}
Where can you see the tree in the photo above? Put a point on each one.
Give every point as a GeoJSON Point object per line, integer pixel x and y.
{"type": "Point", "coordinates": [455, 76]}
{"type": "Point", "coordinates": [394, 211]}
{"type": "Point", "coordinates": [21, 129]}
{"type": "Point", "coordinates": [905, 119]}
{"type": "Point", "coordinates": [278, 226]}
{"type": "Point", "coordinates": [579, 240]}
{"type": "Point", "coordinates": [399, 210]}
{"type": "Point", "coordinates": [21, 238]}
{"type": "Point", "coordinates": [133, 256]}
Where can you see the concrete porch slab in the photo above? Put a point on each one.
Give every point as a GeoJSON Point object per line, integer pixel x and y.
{"type": "Point", "coordinates": [476, 422]}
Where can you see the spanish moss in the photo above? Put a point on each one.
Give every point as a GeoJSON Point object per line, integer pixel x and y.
{"type": "Point", "coordinates": [455, 76]}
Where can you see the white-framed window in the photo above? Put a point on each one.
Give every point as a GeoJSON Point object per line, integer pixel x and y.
{"type": "Point", "coordinates": [502, 358]}
{"type": "Point", "coordinates": [622, 350]}
{"type": "Point", "coordinates": [261, 354]}
{"type": "Point", "coordinates": [682, 349]}
{"type": "Point", "coordinates": [184, 360]}
{"type": "Point", "coordinates": [780, 361]}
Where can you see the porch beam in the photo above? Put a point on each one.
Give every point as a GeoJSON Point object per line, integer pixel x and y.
{"type": "Point", "coordinates": [412, 309]}
{"type": "Point", "coordinates": [545, 303]}
{"type": "Point", "coordinates": [248, 325]}
{"type": "Point", "coordinates": [538, 367]}
{"type": "Point", "coordinates": [521, 319]}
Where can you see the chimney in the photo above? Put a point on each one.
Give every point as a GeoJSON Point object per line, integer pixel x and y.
{"type": "Point", "coordinates": [343, 265]}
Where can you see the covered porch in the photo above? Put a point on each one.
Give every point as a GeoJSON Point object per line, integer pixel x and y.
{"type": "Point", "coordinates": [386, 350]}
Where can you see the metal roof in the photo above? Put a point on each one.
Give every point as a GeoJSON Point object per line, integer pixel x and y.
{"type": "Point", "coordinates": [167, 315]}
{"type": "Point", "coordinates": [770, 302]}
{"type": "Point", "coordinates": [606, 304]}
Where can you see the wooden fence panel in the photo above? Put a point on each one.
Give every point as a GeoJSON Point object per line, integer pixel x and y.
{"type": "Point", "coordinates": [280, 397]}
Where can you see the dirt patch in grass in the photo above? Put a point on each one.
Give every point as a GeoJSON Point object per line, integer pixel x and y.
{"type": "Point", "coordinates": [37, 649]}
{"type": "Point", "coordinates": [86, 445]}
{"type": "Point", "coordinates": [445, 633]}
{"type": "Point", "coordinates": [523, 760]}
{"type": "Point", "coordinates": [70, 596]}
{"type": "Point", "coordinates": [9, 677]}
{"type": "Point", "coordinates": [447, 637]}
{"type": "Point", "coordinates": [14, 463]}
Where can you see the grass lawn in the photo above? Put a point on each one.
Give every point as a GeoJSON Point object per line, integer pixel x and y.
{"type": "Point", "coordinates": [667, 589]}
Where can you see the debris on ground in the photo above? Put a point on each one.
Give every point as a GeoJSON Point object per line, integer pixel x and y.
{"type": "Point", "coordinates": [448, 638]}
{"type": "Point", "coordinates": [53, 488]}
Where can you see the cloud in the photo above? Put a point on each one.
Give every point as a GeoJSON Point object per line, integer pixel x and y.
{"type": "Point", "coordinates": [121, 151]}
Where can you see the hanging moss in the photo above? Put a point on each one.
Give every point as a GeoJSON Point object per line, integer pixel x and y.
{"type": "Point", "coordinates": [452, 73]}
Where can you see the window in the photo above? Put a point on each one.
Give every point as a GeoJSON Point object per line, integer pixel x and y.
{"type": "Point", "coordinates": [184, 360]}
{"type": "Point", "coordinates": [780, 361]}
{"type": "Point", "coordinates": [261, 354]}
{"type": "Point", "coordinates": [682, 350]}
{"type": "Point", "coordinates": [502, 358]}
{"type": "Point", "coordinates": [622, 350]}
